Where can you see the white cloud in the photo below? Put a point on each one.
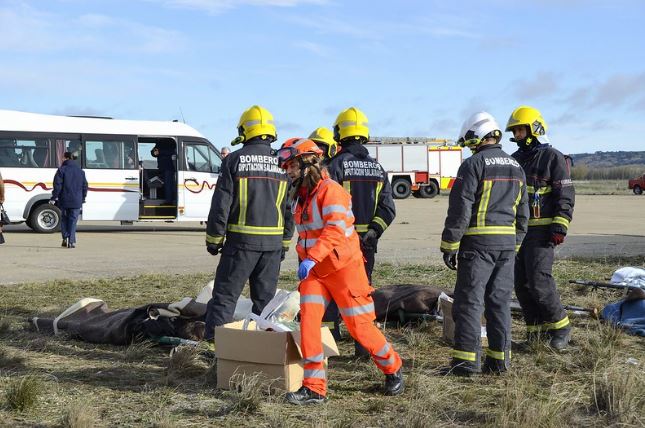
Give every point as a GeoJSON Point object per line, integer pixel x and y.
{"type": "Point", "coordinates": [543, 84]}
{"type": "Point", "coordinates": [220, 6]}
{"type": "Point", "coordinates": [315, 48]}
{"type": "Point", "coordinates": [27, 30]}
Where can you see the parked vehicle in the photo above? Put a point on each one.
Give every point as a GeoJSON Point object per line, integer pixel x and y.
{"type": "Point", "coordinates": [637, 185]}
{"type": "Point", "coordinates": [124, 182]}
{"type": "Point", "coordinates": [420, 166]}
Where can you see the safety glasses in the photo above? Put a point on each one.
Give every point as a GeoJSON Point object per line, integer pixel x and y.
{"type": "Point", "coordinates": [286, 154]}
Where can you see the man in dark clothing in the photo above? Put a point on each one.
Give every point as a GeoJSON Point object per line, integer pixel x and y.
{"type": "Point", "coordinates": [70, 191]}
{"type": "Point", "coordinates": [365, 179]}
{"type": "Point", "coordinates": [166, 156]}
{"type": "Point", "coordinates": [551, 199]}
{"type": "Point", "coordinates": [249, 209]}
{"type": "Point", "coordinates": [486, 222]}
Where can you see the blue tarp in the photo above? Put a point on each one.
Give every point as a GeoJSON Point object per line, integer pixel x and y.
{"type": "Point", "coordinates": [627, 314]}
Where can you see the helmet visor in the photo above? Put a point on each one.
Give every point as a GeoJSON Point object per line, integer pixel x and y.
{"type": "Point", "coordinates": [285, 155]}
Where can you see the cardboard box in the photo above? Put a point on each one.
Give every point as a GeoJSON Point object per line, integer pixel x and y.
{"type": "Point", "coordinates": [445, 303]}
{"type": "Point", "coordinates": [276, 355]}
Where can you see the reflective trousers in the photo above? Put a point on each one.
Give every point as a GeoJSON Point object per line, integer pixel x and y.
{"type": "Point", "coordinates": [484, 284]}
{"type": "Point", "coordinates": [535, 287]}
{"type": "Point", "coordinates": [236, 266]}
{"type": "Point", "coordinates": [349, 288]}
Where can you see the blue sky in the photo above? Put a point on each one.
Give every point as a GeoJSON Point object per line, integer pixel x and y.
{"type": "Point", "coordinates": [416, 68]}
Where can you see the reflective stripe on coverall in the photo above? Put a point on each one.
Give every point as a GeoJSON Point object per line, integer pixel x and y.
{"type": "Point", "coordinates": [326, 235]}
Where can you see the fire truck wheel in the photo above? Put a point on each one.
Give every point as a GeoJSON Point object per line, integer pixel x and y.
{"type": "Point", "coordinates": [401, 188]}
{"type": "Point", "coordinates": [429, 191]}
{"type": "Point", "coordinates": [638, 190]}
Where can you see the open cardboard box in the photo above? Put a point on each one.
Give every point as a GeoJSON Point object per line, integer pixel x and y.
{"type": "Point", "coordinates": [277, 356]}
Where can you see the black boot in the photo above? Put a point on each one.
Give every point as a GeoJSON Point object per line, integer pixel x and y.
{"type": "Point", "coordinates": [494, 366]}
{"type": "Point", "coordinates": [559, 339]}
{"type": "Point", "coordinates": [394, 383]}
{"type": "Point", "coordinates": [64, 244]}
{"type": "Point", "coordinates": [463, 368]}
{"type": "Point", "coordinates": [304, 396]}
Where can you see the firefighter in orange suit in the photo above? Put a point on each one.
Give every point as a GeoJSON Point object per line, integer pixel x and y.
{"type": "Point", "coordinates": [331, 268]}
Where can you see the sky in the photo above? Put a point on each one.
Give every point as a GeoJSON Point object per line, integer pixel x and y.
{"type": "Point", "coordinates": [416, 68]}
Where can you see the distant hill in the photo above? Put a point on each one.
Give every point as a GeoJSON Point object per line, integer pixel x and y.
{"type": "Point", "coordinates": [609, 159]}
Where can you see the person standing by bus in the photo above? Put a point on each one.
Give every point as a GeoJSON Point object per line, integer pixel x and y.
{"type": "Point", "coordinates": [70, 191]}
{"type": "Point", "coordinates": [166, 160]}
{"type": "Point", "coordinates": [331, 267]}
{"type": "Point", "coordinates": [1, 202]}
{"type": "Point", "coordinates": [249, 223]}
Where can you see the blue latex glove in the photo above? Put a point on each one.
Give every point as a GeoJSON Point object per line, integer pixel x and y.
{"type": "Point", "coordinates": [305, 266]}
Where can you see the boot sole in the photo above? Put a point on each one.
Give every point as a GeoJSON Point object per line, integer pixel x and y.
{"type": "Point", "coordinates": [306, 402]}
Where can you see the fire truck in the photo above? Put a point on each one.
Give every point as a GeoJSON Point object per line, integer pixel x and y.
{"type": "Point", "coordinates": [419, 166]}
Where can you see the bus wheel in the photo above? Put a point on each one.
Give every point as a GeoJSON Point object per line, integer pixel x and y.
{"type": "Point", "coordinates": [45, 218]}
{"type": "Point", "coordinates": [429, 191]}
{"type": "Point", "coordinates": [401, 188]}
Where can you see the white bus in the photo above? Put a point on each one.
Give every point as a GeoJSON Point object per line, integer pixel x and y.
{"type": "Point", "coordinates": [124, 182]}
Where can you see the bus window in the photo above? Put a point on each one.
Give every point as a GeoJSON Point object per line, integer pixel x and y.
{"type": "Point", "coordinates": [25, 153]}
{"type": "Point", "coordinates": [62, 145]}
{"type": "Point", "coordinates": [197, 158]}
{"type": "Point", "coordinates": [109, 154]}
{"type": "Point", "coordinates": [216, 160]}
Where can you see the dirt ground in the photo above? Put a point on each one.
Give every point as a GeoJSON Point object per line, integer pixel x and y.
{"type": "Point", "coordinates": [604, 226]}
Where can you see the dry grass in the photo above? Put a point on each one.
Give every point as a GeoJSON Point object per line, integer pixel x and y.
{"type": "Point", "coordinates": [22, 392]}
{"type": "Point", "coordinates": [80, 415]}
{"type": "Point", "coordinates": [142, 385]}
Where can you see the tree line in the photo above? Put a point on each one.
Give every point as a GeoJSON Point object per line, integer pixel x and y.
{"type": "Point", "coordinates": [625, 172]}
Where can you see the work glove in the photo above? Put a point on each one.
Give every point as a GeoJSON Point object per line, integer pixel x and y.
{"type": "Point", "coordinates": [450, 259]}
{"type": "Point", "coordinates": [52, 202]}
{"type": "Point", "coordinates": [557, 238]}
{"type": "Point", "coordinates": [214, 249]}
{"type": "Point", "coordinates": [369, 239]}
{"type": "Point", "coordinates": [284, 253]}
{"type": "Point", "coordinates": [305, 266]}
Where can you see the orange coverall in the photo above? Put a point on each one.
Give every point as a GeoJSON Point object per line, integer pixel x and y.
{"type": "Point", "coordinates": [326, 235]}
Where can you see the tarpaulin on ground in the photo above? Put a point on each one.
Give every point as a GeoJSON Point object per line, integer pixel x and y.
{"type": "Point", "coordinates": [91, 320]}
{"type": "Point", "coordinates": [628, 313]}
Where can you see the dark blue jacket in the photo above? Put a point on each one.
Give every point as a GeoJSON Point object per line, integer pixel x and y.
{"type": "Point", "coordinates": [165, 159]}
{"type": "Point", "coordinates": [70, 186]}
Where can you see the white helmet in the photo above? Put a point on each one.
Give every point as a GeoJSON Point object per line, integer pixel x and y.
{"type": "Point", "coordinates": [477, 127]}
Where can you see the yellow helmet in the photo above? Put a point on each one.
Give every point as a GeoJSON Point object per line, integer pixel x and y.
{"type": "Point", "coordinates": [324, 137]}
{"type": "Point", "coordinates": [351, 123]}
{"type": "Point", "coordinates": [529, 116]}
{"type": "Point", "coordinates": [256, 121]}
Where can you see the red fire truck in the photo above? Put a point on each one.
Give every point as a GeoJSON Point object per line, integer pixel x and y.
{"type": "Point", "coordinates": [419, 166]}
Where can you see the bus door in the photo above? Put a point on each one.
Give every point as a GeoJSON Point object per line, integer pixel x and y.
{"type": "Point", "coordinates": [198, 174]}
{"type": "Point", "coordinates": [112, 172]}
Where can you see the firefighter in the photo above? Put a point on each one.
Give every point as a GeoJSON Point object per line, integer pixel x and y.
{"type": "Point", "coordinates": [331, 268]}
{"type": "Point", "coordinates": [365, 179]}
{"type": "Point", "coordinates": [551, 199]}
{"type": "Point", "coordinates": [324, 139]}
{"type": "Point", "coordinates": [249, 223]}
{"type": "Point", "coordinates": [486, 222]}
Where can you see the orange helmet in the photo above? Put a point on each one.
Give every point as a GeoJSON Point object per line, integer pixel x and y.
{"type": "Point", "coordinates": [296, 147]}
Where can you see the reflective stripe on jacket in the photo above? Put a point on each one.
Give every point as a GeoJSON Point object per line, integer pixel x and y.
{"type": "Point", "coordinates": [550, 190]}
{"type": "Point", "coordinates": [367, 182]}
{"type": "Point", "coordinates": [249, 205]}
{"type": "Point", "coordinates": [325, 225]}
{"type": "Point", "coordinates": [488, 203]}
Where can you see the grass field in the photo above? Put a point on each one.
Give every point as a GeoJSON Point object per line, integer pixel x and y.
{"type": "Point", "coordinates": [602, 187]}
{"type": "Point", "coordinates": [49, 381]}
